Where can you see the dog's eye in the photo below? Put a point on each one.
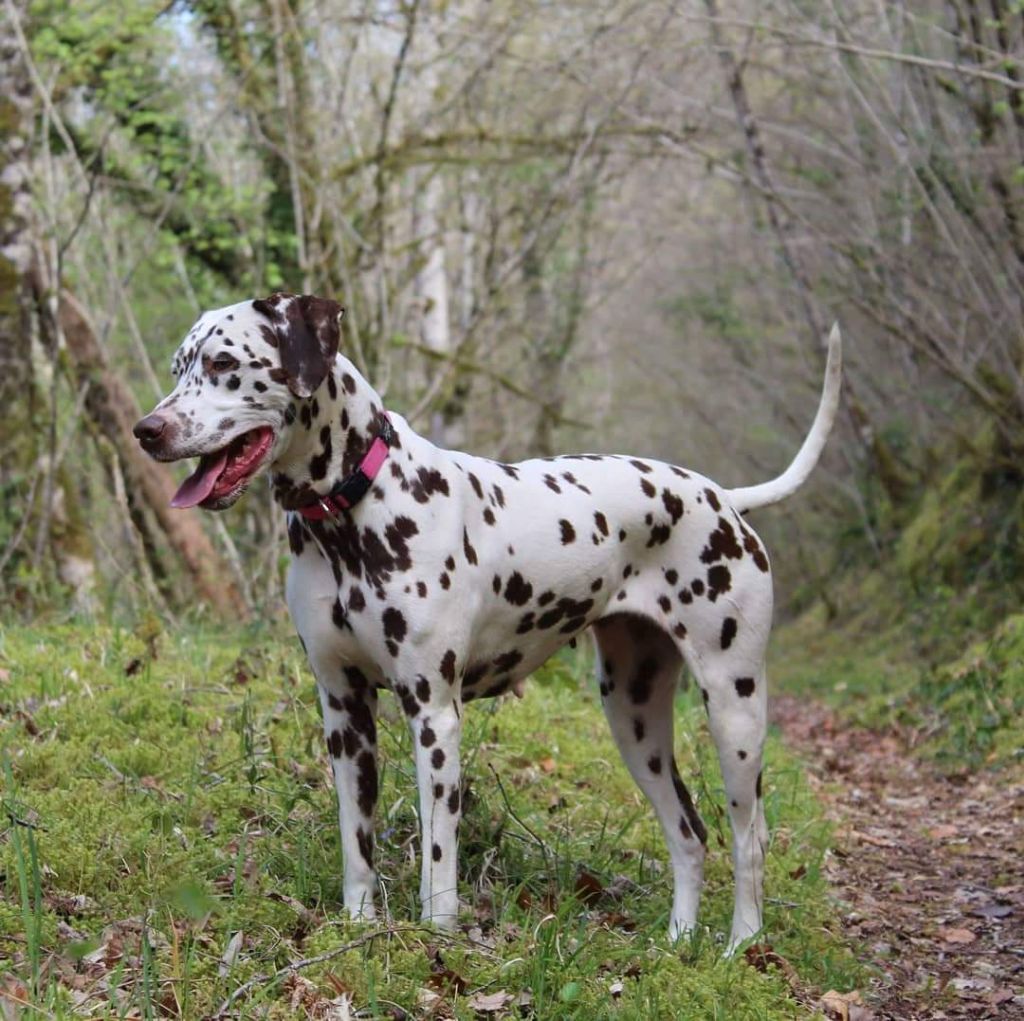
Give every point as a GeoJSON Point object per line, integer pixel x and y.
{"type": "Point", "coordinates": [224, 363]}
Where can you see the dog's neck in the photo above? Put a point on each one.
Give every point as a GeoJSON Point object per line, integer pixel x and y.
{"type": "Point", "coordinates": [329, 434]}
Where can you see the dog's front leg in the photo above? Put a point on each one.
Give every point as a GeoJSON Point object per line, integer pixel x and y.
{"type": "Point", "coordinates": [350, 727]}
{"type": "Point", "coordinates": [436, 730]}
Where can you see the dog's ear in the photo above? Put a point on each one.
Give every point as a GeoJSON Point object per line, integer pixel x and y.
{"type": "Point", "coordinates": [306, 329]}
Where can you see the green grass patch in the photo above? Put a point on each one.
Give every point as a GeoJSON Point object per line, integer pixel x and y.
{"type": "Point", "coordinates": [169, 833]}
{"type": "Point", "coordinates": [934, 665]}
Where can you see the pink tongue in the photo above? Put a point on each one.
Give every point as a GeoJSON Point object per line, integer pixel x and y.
{"type": "Point", "coordinates": [198, 486]}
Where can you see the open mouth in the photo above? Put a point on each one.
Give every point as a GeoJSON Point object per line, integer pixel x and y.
{"type": "Point", "coordinates": [223, 472]}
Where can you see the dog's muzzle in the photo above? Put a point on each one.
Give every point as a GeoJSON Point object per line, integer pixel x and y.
{"type": "Point", "coordinates": [152, 432]}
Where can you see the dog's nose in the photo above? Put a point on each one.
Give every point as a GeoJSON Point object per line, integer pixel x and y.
{"type": "Point", "coordinates": [149, 429]}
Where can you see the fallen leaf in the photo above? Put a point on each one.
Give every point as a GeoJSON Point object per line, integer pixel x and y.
{"type": "Point", "coordinates": [763, 955]}
{"type": "Point", "coordinates": [446, 979]}
{"type": "Point", "coordinates": [548, 764]}
{"type": "Point", "coordinates": [867, 838]}
{"type": "Point", "coordinates": [840, 1005]}
{"type": "Point", "coordinates": [230, 955]}
{"type": "Point", "coordinates": [998, 996]}
{"type": "Point", "coordinates": [589, 888]}
{"type": "Point", "coordinates": [441, 976]}
{"type": "Point", "coordinates": [12, 995]}
{"type": "Point", "coordinates": [426, 998]}
{"type": "Point", "coordinates": [961, 936]}
{"type": "Point", "coordinates": [490, 1003]}
{"type": "Point", "coordinates": [799, 872]}
{"type": "Point", "coordinates": [993, 911]}
{"type": "Point", "coordinates": [617, 920]}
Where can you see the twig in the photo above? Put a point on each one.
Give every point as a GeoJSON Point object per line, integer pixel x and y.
{"type": "Point", "coordinates": [467, 365]}
{"type": "Point", "coordinates": [26, 517]}
{"type": "Point", "coordinates": [515, 815]}
{"type": "Point", "coordinates": [308, 962]}
{"type": "Point", "coordinates": [872, 54]}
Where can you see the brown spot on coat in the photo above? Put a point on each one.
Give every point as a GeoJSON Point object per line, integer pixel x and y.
{"type": "Point", "coordinates": [334, 744]}
{"type": "Point", "coordinates": [642, 684]}
{"type": "Point", "coordinates": [719, 581]}
{"type": "Point", "coordinates": [729, 628]}
{"type": "Point", "coordinates": [517, 589]}
{"type": "Point", "coordinates": [366, 783]}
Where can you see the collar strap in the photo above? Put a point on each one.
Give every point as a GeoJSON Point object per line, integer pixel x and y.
{"type": "Point", "coordinates": [347, 493]}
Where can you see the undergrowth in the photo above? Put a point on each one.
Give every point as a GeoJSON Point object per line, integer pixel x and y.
{"type": "Point", "coordinates": [169, 834]}
{"type": "Point", "coordinates": [926, 634]}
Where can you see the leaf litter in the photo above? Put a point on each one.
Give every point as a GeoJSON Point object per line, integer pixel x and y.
{"type": "Point", "coordinates": [927, 870]}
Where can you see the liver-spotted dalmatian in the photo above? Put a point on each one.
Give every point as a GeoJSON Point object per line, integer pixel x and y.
{"type": "Point", "coordinates": [446, 577]}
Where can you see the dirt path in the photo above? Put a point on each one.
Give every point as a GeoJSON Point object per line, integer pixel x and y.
{"type": "Point", "coordinates": [930, 870]}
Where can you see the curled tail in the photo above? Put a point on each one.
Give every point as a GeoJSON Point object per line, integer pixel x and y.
{"type": "Point", "coordinates": [786, 484]}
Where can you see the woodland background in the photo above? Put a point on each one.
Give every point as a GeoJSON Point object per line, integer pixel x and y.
{"type": "Point", "coordinates": [612, 226]}
{"type": "Point", "coordinates": [587, 225]}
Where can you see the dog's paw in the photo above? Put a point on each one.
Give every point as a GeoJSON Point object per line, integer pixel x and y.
{"type": "Point", "coordinates": [446, 921]}
{"type": "Point", "coordinates": [739, 941]}
{"type": "Point", "coordinates": [680, 929]}
{"type": "Point", "coordinates": [363, 911]}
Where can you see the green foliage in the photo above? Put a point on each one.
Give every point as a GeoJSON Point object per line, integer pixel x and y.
{"type": "Point", "coordinates": [179, 790]}
{"type": "Point", "coordinates": [121, 59]}
{"type": "Point", "coordinates": [976, 703]}
{"type": "Point", "coordinates": [891, 651]}
{"type": "Point", "coordinates": [962, 534]}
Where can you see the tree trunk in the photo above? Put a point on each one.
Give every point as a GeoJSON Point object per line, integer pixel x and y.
{"type": "Point", "coordinates": [113, 408]}
{"type": "Point", "coordinates": [26, 420]}
{"type": "Point", "coordinates": [16, 389]}
{"type": "Point", "coordinates": [431, 288]}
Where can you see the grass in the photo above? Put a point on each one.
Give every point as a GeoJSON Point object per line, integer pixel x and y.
{"type": "Point", "coordinates": [169, 834]}
{"type": "Point", "coordinates": [939, 664]}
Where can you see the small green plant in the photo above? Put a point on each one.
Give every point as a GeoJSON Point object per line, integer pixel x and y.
{"type": "Point", "coordinates": [26, 861]}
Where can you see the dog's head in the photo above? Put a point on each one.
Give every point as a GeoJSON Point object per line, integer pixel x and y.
{"type": "Point", "coordinates": [239, 372]}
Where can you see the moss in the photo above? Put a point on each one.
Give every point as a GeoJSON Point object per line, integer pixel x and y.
{"type": "Point", "coordinates": [182, 778]}
{"type": "Point", "coordinates": [979, 700]}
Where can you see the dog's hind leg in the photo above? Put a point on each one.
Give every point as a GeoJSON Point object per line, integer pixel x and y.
{"type": "Point", "coordinates": [638, 670]}
{"type": "Point", "coordinates": [734, 687]}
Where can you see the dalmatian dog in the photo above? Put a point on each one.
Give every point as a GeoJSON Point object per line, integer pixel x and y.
{"type": "Point", "coordinates": [445, 577]}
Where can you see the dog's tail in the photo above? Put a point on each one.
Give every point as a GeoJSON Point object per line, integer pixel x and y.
{"type": "Point", "coordinates": [751, 497]}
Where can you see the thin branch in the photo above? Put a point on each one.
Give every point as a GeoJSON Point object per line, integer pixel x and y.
{"type": "Point", "coordinates": [870, 53]}
{"type": "Point", "coordinates": [309, 962]}
{"type": "Point", "coordinates": [457, 361]}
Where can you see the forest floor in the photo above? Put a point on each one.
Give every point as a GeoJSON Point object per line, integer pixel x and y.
{"type": "Point", "coordinates": [168, 848]}
{"type": "Point", "coordinates": [926, 865]}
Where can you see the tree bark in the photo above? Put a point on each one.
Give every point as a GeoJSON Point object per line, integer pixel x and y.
{"type": "Point", "coordinates": [27, 418]}
{"type": "Point", "coordinates": [113, 408]}
{"type": "Point", "coordinates": [15, 245]}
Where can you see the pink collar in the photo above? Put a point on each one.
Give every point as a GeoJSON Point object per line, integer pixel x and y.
{"type": "Point", "coordinates": [347, 493]}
